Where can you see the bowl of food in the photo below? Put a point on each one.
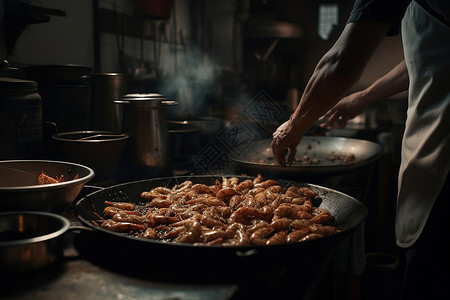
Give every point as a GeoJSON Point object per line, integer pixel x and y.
{"type": "Point", "coordinates": [41, 185]}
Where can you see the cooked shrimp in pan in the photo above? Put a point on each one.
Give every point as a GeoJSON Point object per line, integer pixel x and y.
{"type": "Point", "coordinates": [228, 213]}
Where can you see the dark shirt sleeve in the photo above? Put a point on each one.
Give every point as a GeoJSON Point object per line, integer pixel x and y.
{"type": "Point", "coordinates": [390, 11]}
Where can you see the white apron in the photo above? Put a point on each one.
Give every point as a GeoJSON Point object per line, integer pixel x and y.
{"type": "Point", "coordinates": [425, 160]}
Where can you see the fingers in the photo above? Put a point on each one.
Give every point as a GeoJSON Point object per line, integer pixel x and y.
{"type": "Point", "coordinates": [278, 153]}
{"type": "Point", "coordinates": [281, 153]}
{"type": "Point", "coordinates": [292, 152]}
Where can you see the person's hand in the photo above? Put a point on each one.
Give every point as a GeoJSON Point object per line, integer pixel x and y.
{"type": "Point", "coordinates": [347, 108]}
{"type": "Point", "coordinates": [285, 142]}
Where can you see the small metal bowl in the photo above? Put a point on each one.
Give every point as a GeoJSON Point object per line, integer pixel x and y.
{"type": "Point", "coordinates": [30, 240]}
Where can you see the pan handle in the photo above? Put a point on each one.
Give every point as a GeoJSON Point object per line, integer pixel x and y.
{"type": "Point", "coordinates": [248, 253]}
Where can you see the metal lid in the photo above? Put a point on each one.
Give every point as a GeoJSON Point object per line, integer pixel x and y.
{"type": "Point", "coordinates": [144, 96]}
{"type": "Point", "coordinates": [146, 100]}
{"type": "Point", "coordinates": [17, 85]}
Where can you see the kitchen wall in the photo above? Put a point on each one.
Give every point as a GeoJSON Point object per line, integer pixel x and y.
{"type": "Point", "coordinates": [63, 40]}
{"type": "Point", "coordinates": [213, 28]}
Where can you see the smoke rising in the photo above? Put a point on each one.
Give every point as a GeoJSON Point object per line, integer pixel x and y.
{"type": "Point", "coordinates": [189, 77]}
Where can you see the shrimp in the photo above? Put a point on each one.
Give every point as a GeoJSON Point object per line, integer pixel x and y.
{"type": "Point", "coordinates": [202, 189]}
{"type": "Point", "coordinates": [266, 184]}
{"type": "Point", "coordinates": [245, 185]}
{"type": "Point", "coordinates": [300, 224]}
{"type": "Point", "coordinates": [311, 236]}
{"type": "Point", "coordinates": [277, 238]}
{"type": "Point", "coordinates": [212, 222]}
{"type": "Point", "coordinates": [235, 201]}
{"type": "Point", "coordinates": [304, 215]}
{"type": "Point", "coordinates": [247, 214]}
{"type": "Point", "coordinates": [321, 215]}
{"type": "Point", "coordinates": [121, 205]}
{"type": "Point", "coordinates": [323, 230]}
{"type": "Point", "coordinates": [240, 237]}
{"type": "Point", "coordinates": [226, 193]}
{"type": "Point", "coordinates": [183, 186]}
{"type": "Point", "coordinates": [285, 211]}
{"type": "Point", "coordinates": [258, 179]}
{"type": "Point", "coordinates": [153, 219]}
{"type": "Point", "coordinates": [296, 235]}
{"type": "Point", "coordinates": [122, 226]}
{"type": "Point", "coordinates": [150, 233]}
{"type": "Point", "coordinates": [212, 235]}
{"type": "Point", "coordinates": [257, 224]}
{"type": "Point", "coordinates": [162, 190]}
{"type": "Point", "coordinates": [281, 224]}
{"type": "Point", "coordinates": [230, 182]}
{"type": "Point", "coordinates": [124, 217]}
{"type": "Point", "coordinates": [192, 232]}
{"type": "Point", "coordinates": [260, 236]}
{"type": "Point", "coordinates": [207, 201]}
{"type": "Point", "coordinates": [110, 211]}
{"type": "Point", "coordinates": [148, 196]}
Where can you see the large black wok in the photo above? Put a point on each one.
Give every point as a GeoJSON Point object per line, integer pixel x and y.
{"type": "Point", "coordinates": [115, 248]}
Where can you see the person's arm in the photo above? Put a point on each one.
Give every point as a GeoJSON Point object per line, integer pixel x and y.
{"type": "Point", "coordinates": [394, 82]}
{"type": "Point", "coordinates": [338, 70]}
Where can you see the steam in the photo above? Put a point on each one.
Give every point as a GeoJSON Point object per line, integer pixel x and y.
{"type": "Point", "coordinates": [189, 77]}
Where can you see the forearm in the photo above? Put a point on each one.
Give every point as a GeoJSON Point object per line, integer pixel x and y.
{"type": "Point", "coordinates": [337, 72]}
{"type": "Point", "coordinates": [392, 83]}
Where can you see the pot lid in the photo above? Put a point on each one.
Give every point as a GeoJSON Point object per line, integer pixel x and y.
{"type": "Point", "coordinates": [17, 85]}
{"type": "Point", "coordinates": [144, 96]}
{"type": "Point", "coordinates": [146, 100]}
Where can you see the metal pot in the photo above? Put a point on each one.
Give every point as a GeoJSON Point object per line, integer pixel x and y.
{"type": "Point", "coordinates": [107, 88]}
{"type": "Point", "coordinates": [30, 241]}
{"type": "Point", "coordinates": [145, 122]}
{"type": "Point", "coordinates": [19, 190]}
{"type": "Point", "coordinates": [100, 150]}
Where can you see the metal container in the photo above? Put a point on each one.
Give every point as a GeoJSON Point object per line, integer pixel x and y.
{"type": "Point", "coordinates": [107, 88]}
{"type": "Point", "coordinates": [100, 150]}
{"type": "Point", "coordinates": [20, 191]}
{"type": "Point", "coordinates": [145, 121]}
{"type": "Point", "coordinates": [30, 241]}
{"type": "Point", "coordinates": [20, 119]}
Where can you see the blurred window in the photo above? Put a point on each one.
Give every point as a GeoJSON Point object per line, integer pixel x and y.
{"type": "Point", "coordinates": [328, 19]}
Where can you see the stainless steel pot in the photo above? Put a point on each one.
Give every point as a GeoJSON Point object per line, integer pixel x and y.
{"type": "Point", "coordinates": [100, 150]}
{"type": "Point", "coordinates": [30, 241]}
{"type": "Point", "coordinates": [106, 88]}
{"type": "Point", "coordinates": [145, 121]}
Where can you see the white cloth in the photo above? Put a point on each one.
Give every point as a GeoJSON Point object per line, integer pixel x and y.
{"type": "Point", "coordinates": [425, 160]}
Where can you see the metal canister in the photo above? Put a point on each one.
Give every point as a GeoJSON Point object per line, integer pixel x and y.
{"type": "Point", "coordinates": [144, 119]}
{"type": "Point", "coordinates": [20, 119]}
{"type": "Point", "coordinates": [106, 88]}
